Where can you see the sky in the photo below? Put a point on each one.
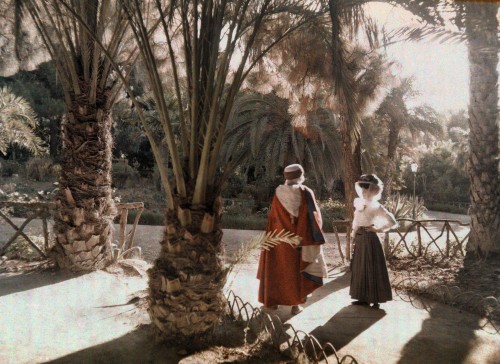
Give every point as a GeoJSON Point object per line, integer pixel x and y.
{"type": "Point", "coordinates": [441, 71]}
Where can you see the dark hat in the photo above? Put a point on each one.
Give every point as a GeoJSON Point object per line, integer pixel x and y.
{"type": "Point", "coordinates": [367, 179]}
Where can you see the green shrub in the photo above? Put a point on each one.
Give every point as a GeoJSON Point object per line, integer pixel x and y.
{"type": "Point", "coordinates": [39, 169]}
{"type": "Point", "coordinates": [124, 175]}
{"type": "Point", "coordinates": [244, 222]}
{"type": "Point", "coordinates": [9, 168]}
{"type": "Point", "coordinates": [401, 206]}
{"type": "Point", "coordinates": [147, 218]}
{"type": "Point", "coordinates": [234, 186]}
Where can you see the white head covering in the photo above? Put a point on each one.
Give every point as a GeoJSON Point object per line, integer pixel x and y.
{"type": "Point", "coordinates": [294, 174]}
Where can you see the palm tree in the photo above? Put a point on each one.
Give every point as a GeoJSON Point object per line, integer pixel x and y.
{"type": "Point", "coordinates": [394, 113]}
{"type": "Point", "coordinates": [17, 123]}
{"type": "Point", "coordinates": [261, 134]}
{"type": "Point", "coordinates": [481, 26]}
{"type": "Point", "coordinates": [85, 210]}
{"type": "Point", "coordinates": [209, 48]}
{"type": "Point", "coordinates": [481, 33]}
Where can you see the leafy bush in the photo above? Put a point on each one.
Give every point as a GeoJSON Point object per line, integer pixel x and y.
{"type": "Point", "coordinates": [402, 206]}
{"type": "Point", "coordinates": [9, 168]}
{"type": "Point", "coordinates": [147, 218]}
{"type": "Point", "coordinates": [39, 169]}
{"type": "Point", "coordinates": [234, 186]}
{"type": "Point", "coordinates": [124, 175]}
{"type": "Point", "coordinates": [244, 222]}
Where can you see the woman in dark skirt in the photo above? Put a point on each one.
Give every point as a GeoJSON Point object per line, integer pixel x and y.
{"type": "Point", "coordinates": [369, 277]}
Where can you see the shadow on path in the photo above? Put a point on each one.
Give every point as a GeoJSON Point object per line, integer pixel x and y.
{"type": "Point", "coordinates": [435, 344]}
{"type": "Point", "coordinates": [347, 324]}
{"type": "Point", "coordinates": [336, 284]}
{"type": "Point", "coordinates": [137, 346]}
{"type": "Point", "coordinates": [10, 284]}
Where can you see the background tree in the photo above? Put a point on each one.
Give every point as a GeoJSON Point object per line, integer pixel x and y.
{"type": "Point", "coordinates": [40, 89]}
{"type": "Point", "coordinates": [397, 117]}
{"type": "Point", "coordinates": [262, 135]}
{"type": "Point", "coordinates": [83, 219]}
{"type": "Point", "coordinates": [481, 25]}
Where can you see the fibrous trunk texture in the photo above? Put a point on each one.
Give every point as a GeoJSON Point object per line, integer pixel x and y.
{"type": "Point", "coordinates": [186, 282]}
{"type": "Point", "coordinates": [391, 159]}
{"type": "Point", "coordinates": [352, 170]}
{"type": "Point", "coordinates": [85, 210]}
{"type": "Point", "coordinates": [482, 28]}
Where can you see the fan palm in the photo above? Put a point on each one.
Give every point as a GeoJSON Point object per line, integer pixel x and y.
{"type": "Point", "coordinates": [18, 123]}
{"type": "Point", "coordinates": [261, 133]}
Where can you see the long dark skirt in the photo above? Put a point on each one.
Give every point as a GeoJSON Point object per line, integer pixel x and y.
{"type": "Point", "coordinates": [369, 277]}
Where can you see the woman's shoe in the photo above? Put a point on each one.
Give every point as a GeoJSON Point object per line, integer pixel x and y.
{"type": "Point", "coordinates": [376, 305]}
{"type": "Point", "coordinates": [296, 309]}
{"type": "Point", "coordinates": [359, 303]}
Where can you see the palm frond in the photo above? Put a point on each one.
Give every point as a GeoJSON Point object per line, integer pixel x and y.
{"type": "Point", "coordinates": [270, 239]}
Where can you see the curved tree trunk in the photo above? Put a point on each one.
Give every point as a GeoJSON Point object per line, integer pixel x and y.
{"type": "Point", "coordinates": [187, 279]}
{"type": "Point", "coordinates": [85, 210]}
{"type": "Point", "coordinates": [481, 28]}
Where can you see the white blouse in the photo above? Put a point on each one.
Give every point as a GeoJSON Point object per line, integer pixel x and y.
{"type": "Point", "coordinates": [368, 213]}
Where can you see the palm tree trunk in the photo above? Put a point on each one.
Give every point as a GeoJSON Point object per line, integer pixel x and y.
{"type": "Point", "coordinates": [54, 127]}
{"type": "Point", "coordinates": [84, 214]}
{"type": "Point", "coordinates": [186, 282]}
{"type": "Point", "coordinates": [481, 28]}
{"type": "Point", "coordinates": [392, 146]}
{"type": "Point", "coordinates": [352, 169]}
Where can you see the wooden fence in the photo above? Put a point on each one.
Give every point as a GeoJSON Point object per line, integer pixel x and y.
{"type": "Point", "coordinates": [44, 212]}
{"type": "Point", "coordinates": [35, 210]}
{"type": "Point", "coordinates": [431, 239]}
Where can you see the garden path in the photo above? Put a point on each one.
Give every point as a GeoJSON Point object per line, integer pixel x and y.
{"type": "Point", "coordinates": [50, 318]}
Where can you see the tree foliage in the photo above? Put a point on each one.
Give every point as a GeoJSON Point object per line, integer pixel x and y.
{"type": "Point", "coordinates": [262, 134]}
{"type": "Point", "coordinates": [18, 123]}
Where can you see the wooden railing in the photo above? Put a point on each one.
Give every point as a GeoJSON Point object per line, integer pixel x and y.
{"type": "Point", "coordinates": [430, 239]}
{"type": "Point", "coordinates": [347, 226]}
{"type": "Point", "coordinates": [444, 243]}
{"type": "Point", "coordinates": [126, 242]}
{"type": "Point", "coordinates": [44, 212]}
{"type": "Point", "coordinates": [35, 210]}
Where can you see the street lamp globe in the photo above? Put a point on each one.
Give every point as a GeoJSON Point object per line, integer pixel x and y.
{"type": "Point", "coordinates": [414, 167]}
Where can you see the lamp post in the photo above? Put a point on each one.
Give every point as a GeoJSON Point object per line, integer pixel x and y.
{"type": "Point", "coordinates": [414, 168]}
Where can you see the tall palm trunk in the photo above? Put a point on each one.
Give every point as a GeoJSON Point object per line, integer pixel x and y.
{"type": "Point", "coordinates": [481, 28]}
{"type": "Point", "coordinates": [392, 146]}
{"type": "Point", "coordinates": [85, 210]}
{"type": "Point", "coordinates": [352, 169]}
{"type": "Point", "coordinates": [187, 279]}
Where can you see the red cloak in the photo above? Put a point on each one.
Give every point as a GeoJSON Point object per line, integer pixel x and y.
{"type": "Point", "coordinates": [282, 281]}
